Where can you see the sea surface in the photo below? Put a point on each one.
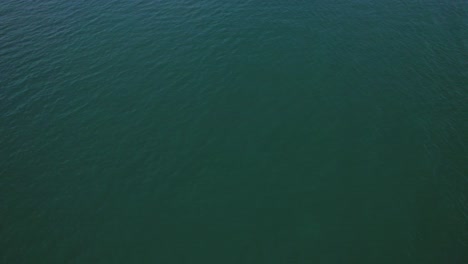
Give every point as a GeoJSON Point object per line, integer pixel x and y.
{"type": "Point", "coordinates": [202, 131]}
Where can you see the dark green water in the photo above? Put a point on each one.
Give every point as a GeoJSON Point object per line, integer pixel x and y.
{"type": "Point", "coordinates": [234, 131]}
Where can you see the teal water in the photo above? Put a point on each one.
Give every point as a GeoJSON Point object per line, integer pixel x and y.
{"type": "Point", "coordinates": [234, 131]}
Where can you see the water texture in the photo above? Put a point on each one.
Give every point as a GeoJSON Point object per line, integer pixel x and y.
{"type": "Point", "coordinates": [151, 131]}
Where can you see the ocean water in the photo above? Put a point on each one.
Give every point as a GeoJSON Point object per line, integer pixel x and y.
{"type": "Point", "coordinates": [151, 131]}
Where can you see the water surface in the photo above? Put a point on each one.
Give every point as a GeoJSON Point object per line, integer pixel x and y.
{"type": "Point", "coordinates": [138, 131]}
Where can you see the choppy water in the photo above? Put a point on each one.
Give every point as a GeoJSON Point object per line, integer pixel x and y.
{"type": "Point", "coordinates": [233, 131]}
